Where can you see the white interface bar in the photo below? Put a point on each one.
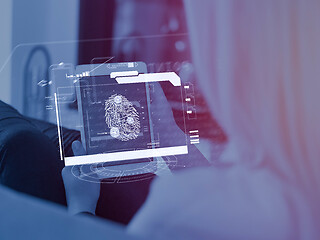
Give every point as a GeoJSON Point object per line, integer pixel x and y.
{"type": "Point", "coordinates": [128, 155]}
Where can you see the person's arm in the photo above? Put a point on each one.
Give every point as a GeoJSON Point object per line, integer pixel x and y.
{"type": "Point", "coordinates": [82, 195]}
{"type": "Point", "coordinates": [219, 203]}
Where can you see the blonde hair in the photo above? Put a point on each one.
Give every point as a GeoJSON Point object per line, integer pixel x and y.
{"type": "Point", "coordinates": [259, 66]}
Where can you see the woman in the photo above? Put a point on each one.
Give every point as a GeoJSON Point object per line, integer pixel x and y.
{"type": "Point", "coordinates": [258, 64]}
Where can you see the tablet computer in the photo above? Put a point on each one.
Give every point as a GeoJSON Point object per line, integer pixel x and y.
{"type": "Point", "coordinates": [118, 119]}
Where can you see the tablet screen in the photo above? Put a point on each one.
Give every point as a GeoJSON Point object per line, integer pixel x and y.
{"type": "Point", "coordinates": [124, 116]}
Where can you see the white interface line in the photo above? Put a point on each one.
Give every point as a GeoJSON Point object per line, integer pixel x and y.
{"type": "Point", "coordinates": [127, 155]}
{"type": "Point", "coordinates": [58, 124]}
{"type": "Point", "coordinates": [124, 74]}
{"type": "Point", "coordinates": [151, 77]}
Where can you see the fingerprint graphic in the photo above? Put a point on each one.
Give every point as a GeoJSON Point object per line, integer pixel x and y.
{"type": "Point", "coordinates": [122, 118]}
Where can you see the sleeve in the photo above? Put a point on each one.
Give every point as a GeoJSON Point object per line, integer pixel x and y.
{"type": "Point", "coordinates": [235, 203]}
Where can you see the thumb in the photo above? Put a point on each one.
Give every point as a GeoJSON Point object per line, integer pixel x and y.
{"type": "Point", "coordinates": [78, 149]}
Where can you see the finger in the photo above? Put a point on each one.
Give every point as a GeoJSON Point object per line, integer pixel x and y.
{"type": "Point", "coordinates": [87, 173]}
{"type": "Point", "coordinates": [65, 171]}
{"type": "Point", "coordinates": [86, 169]}
{"type": "Point", "coordinates": [78, 149]}
{"type": "Point", "coordinates": [76, 170]}
{"type": "Point", "coordinates": [68, 171]}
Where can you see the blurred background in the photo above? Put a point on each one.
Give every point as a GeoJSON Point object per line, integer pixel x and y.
{"type": "Point", "coordinates": [37, 34]}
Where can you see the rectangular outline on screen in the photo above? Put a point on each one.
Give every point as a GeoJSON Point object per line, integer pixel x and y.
{"type": "Point", "coordinates": [126, 155]}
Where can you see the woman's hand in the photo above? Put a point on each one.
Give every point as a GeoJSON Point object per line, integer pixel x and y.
{"type": "Point", "coordinates": [82, 194]}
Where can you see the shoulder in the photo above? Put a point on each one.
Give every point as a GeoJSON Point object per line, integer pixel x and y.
{"type": "Point", "coordinates": [223, 203]}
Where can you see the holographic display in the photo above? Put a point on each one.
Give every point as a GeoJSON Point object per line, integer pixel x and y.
{"type": "Point", "coordinates": [122, 118]}
{"type": "Point", "coordinates": [113, 115]}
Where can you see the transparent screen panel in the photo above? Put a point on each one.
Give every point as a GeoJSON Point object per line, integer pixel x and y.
{"type": "Point", "coordinates": [124, 115]}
